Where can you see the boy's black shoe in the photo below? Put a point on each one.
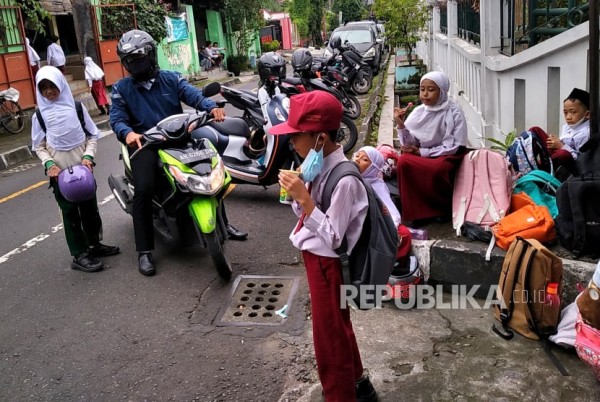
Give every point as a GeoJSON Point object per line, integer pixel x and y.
{"type": "Point", "coordinates": [86, 263]}
{"type": "Point", "coordinates": [146, 264]}
{"type": "Point", "coordinates": [236, 234]}
{"type": "Point", "coordinates": [365, 391]}
{"type": "Point", "coordinates": [102, 250]}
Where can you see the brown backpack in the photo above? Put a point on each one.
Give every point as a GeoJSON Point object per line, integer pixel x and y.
{"type": "Point", "coordinates": [527, 268]}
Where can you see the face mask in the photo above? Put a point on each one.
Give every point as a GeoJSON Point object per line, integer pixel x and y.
{"type": "Point", "coordinates": [312, 165]}
{"type": "Point", "coordinates": [573, 126]}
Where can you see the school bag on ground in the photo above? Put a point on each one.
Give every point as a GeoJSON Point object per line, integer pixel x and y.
{"type": "Point", "coordinates": [529, 152]}
{"type": "Point", "coordinates": [527, 269]}
{"type": "Point", "coordinates": [541, 187]}
{"type": "Point", "coordinates": [78, 109]}
{"type": "Point", "coordinates": [482, 189]}
{"type": "Point", "coordinates": [527, 220]}
{"type": "Point", "coordinates": [578, 220]}
{"type": "Point", "coordinates": [374, 255]}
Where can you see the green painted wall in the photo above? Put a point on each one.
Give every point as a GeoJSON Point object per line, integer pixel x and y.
{"type": "Point", "coordinates": [181, 55]}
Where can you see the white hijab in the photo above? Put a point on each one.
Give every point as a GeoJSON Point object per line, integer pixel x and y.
{"type": "Point", "coordinates": [92, 71]}
{"type": "Point", "coordinates": [63, 128]}
{"type": "Point", "coordinates": [374, 177]}
{"type": "Point", "coordinates": [425, 121]}
{"type": "Point", "coordinates": [34, 58]}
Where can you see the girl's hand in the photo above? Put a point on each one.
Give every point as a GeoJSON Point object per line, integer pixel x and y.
{"type": "Point", "coordinates": [53, 172]}
{"type": "Point", "coordinates": [88, 164]}
{"type": "Point", "coordinates": [553, 142]}
{"type": "Point", "coordinates": [410, 149]}
{"type": "Point", "coordinates": [399, 114]}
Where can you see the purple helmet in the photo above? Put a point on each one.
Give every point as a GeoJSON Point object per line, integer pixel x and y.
{"type": "Point", "coordinates": [77, 183]}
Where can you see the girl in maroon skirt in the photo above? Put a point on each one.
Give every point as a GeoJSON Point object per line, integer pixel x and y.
{"type": "Point", "coordinates": [94, 76]}
{"type": "Point", "coordinates": [433, 142]}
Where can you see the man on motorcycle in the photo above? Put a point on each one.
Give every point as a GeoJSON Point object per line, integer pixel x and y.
{"type": "Point", "coordinates": [139, 102]}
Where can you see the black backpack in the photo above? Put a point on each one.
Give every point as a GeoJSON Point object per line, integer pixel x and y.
{"type": "Point", "coordinates": [78, 108]}
{"type": "Point", "coordinates": [374, 254]}
{"type": "Point", "coordinates": [578, 200]}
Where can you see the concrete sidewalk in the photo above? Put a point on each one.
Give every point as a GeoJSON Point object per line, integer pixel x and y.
{"type": "Point", "coordinates": [448, 352]}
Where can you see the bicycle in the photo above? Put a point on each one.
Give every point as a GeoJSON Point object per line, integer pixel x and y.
{"type": "Point", "coordinates": [12, 117]}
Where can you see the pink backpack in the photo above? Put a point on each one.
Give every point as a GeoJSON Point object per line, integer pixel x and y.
{"type": "Point", "coordinates": [587, 344]}
{"type": "Point", "coordinates": [482, 189]}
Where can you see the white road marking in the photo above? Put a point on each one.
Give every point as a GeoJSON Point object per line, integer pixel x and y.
{"type": "Point", "coordinates": [41, 237]}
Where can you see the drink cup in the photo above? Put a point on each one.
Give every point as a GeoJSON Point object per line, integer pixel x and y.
{"type": "Point", "coordinates": [284, 197]}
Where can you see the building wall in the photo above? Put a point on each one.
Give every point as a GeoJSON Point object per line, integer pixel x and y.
{"type": "Point", "coordinates": [182, 55]}
{"type": "Point", "coordinates": [498, 93]}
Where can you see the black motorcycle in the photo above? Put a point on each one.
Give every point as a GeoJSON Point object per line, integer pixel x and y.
{"type": "Point", "coordinates": [347, 60]}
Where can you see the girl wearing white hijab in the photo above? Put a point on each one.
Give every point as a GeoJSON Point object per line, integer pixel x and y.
{"type": "Point", "coordinates": [34, 58]}
{"type": "Point", "coordinates": [94, 75]}
{"type": "Point", "coordinates": [433, 139]}
{"type": "Point", "coordinates": [62, 144]}
{"type": "Point", "coordinates": [370, 162]}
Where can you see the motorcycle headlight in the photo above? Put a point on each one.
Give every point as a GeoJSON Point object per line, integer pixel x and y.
{"type": "Point", "coordinates": [370, 53]}
{"type": "Point", "coordinates": [208, 185]}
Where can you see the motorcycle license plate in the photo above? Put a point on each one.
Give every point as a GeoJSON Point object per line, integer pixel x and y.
{"type": "Point", "coordinates": [196, 155]}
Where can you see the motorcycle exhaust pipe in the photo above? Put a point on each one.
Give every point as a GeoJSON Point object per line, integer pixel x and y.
{"type": "Point", "coordinates": [119, 187]}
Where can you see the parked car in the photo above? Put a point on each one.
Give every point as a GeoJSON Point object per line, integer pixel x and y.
{"type": "Point", "coordinates": [363, 36]}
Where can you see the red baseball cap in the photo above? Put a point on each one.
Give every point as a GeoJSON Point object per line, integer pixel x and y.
{"type": "Point", "coordinates": [315, 111]}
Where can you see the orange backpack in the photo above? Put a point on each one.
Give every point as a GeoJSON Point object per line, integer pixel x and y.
{"type": "Point", "coordinates": [527, 220]}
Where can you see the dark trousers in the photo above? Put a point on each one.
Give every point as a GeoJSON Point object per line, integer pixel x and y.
{"type": "Point", "coordinates": [144, 168]}
{"type": "Point", "coordinates": [82, 222]}
{"type": "Point", "coordinates": [338, 358]}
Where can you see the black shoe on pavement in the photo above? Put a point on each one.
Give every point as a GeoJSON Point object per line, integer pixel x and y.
{"type": "Point", "coordinates": [146, 264]}
{"type": "Point", "coordinates": [102, 250]}
{"type": "Point", "coordinates": [236, 234]}
{"type": "Point", "coordinates": [365, 391]}
{"type": "Point", "coordinates": [86, 263]}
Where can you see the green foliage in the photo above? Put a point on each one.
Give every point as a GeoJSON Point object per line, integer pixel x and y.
{"type": "Point", "coordinates": [331, 21]}
{"type": "Point", "coordinates": [308, 17]}
{"type": "Point", "coordinates": [34, 15]}
{"type": "Point", "coordinates": [503, 145]}
{"type": "Point", "coordinates": [352, 10]}
{"type": "Point", "coordinates": [270, 46]}
{"type": "Point", "coordinates": [237, 63]}
{"type": "Point", "coordinates": [149, 15]}
{"type": "Point", "coordinates": [405, 19]}
{"type": "Point", "coordinates": [245, 18]}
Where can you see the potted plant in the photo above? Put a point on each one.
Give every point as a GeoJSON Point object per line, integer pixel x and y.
{"type": "Point", "coordinates": [236, 64]}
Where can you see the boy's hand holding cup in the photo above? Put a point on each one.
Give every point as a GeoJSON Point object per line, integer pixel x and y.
{"type": "Point", "coordinates": [288, 180]}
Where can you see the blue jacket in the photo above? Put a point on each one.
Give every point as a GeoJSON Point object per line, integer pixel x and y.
{"type": "Point", "coordinates": [135, 108]}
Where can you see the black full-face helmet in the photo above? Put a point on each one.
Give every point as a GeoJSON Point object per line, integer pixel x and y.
{"type": "Point", "coordinates": [271, 65]}
{"type": "Point", "coordinates": [302, 60]}
{"type": "Point", "coordinates": [336, 42]}
{"type": "Point", "coordinates": [137, 52]}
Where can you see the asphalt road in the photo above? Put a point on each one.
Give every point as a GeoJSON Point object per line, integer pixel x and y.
{"type": "Point", "coordinates": [117, 335]}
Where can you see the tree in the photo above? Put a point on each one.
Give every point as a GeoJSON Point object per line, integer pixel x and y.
{"type": "Point", "coordinates": [308, 17]}
{"type": "Point", "coordinates": [245, 18]}
{"type": "Point", "coordinates": [405, 19]}
{"type": "Point", "coordinates": [352, 10]}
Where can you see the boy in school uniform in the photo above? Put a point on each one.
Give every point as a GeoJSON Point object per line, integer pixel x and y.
{"type": "Point", "coordinates": [313, 121]}
{"type": "Point", "coordinates": [564, 150]}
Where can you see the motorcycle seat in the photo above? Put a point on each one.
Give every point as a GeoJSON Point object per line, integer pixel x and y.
{"type": "Point", "coordinates": [293, 80]}
{"type": "Point", "coordinates": [232, 126]}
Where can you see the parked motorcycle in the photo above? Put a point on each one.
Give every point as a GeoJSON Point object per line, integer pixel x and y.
{"type": "Point", "coordinates": [333, 82]}
{"type": "Point", "coordinates": [347, 60]}
{"type": "Point", "coordinates": [189, 193]}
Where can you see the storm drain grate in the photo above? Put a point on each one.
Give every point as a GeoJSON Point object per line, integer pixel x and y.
{"type": "Point", "coordinates": [259, 300]}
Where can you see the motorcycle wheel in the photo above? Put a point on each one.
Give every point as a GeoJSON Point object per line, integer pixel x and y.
{"type": "Point", "coordinates": [218, 255]}
{"type": "Point", "coordinates": [347, 134]}
{"type": "Point", "coordinates": [362, 86]}
{"type": "Point", "coordinates": [352, 107]}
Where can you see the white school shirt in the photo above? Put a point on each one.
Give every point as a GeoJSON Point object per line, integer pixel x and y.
{"type": "Point", "coordinates": [574, 138]}
{"type": "Point", "coordinates": [323, 231]}
{"type": "Point", "coordinates": [56, 56]}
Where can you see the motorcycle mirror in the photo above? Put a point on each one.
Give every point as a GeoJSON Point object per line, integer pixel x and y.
{"type": "Point", "coordinates": [211, 89]}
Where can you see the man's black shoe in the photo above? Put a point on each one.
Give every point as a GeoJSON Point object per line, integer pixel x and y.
{"type": "Point", "coordinates": [236, 234]}
{"type": "Point", "coordinates": [146, 264]}
{"type": "Point", "coordinates": [86, 263]}
{"type": "Point", "coordinates": [365, 391]}
{"type": "Point", "coordinates": [102, 250]}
